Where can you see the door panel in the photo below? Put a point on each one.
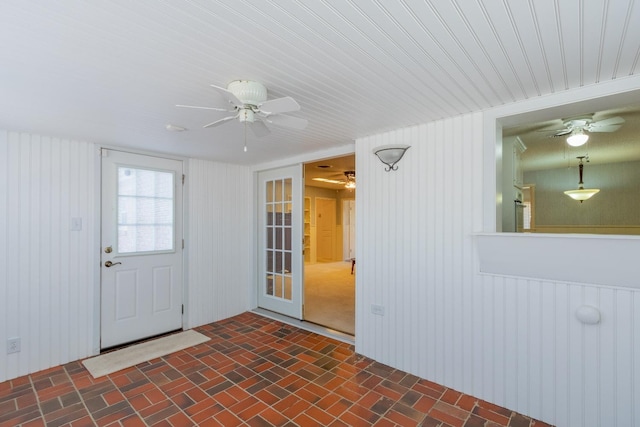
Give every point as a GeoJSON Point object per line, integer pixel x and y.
{"type": "Point", "coordinates": [280, 241]}
{"type": "Point", "coordinates": [141, 291]}
{"type": "Point", "coordinates": [349, 228]}
{"type": "Point", "coordinates": [326, 226]}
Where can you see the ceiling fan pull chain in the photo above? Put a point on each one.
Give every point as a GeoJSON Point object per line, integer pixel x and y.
{"type": "Point", "coordinates": [245, 137]}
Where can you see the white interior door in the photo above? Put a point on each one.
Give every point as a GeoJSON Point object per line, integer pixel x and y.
{"type": "Point", "coordinates": [280, 263]}
{"type": "Point", "coordinates": [349, 228]}
{"type": "Point", "coordinates": [326, 229]}
{"type": "Point", "coordinates": [141, 256]}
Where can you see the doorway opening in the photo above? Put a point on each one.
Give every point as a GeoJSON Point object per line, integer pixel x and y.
{"type": "Point", "coordinates": [329, 243]}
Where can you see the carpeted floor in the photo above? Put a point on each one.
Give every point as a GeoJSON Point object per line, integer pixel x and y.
{"type": "Point", "coordinates": [329, 294]}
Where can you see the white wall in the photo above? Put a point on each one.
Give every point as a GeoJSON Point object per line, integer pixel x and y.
{"type": "Point", "coordinates": [219, 267]}
{"type": "Point", "coordinates": [49, 274]}
{"type": "Point", "coordinates": [508, 340]}
{"type": "Point", "coordinates": [47, 271]}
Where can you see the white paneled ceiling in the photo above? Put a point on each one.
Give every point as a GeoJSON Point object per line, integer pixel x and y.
{"type": "Point", "coordinates": [112, 71]}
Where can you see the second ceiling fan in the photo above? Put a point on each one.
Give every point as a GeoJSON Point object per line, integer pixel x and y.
{"type": "Point", "coordinates": [575, 128]}
{"type": "Point", "coordinates": [247, 102]}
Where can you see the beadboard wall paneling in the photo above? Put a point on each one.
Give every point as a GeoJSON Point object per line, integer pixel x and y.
{"type": "Point", "coordinates": [47, 271]}
{"type": "Point", "coordinates": [511, 341]}
{"type": "Point", "coordinates": [218, 243]}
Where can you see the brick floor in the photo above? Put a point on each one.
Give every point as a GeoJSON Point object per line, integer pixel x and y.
{"type": "Point", "coordinates": [253, 372]}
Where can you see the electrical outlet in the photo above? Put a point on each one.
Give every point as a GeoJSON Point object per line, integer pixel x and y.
{"type": "Point", "coordinates": [377, 309]}
{"type": "Point", "coordinates": [13, 345]}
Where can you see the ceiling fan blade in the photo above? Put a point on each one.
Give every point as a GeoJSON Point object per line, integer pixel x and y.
{"type": "Point", "coordinates": [610, 121]}
{"type": "Point", "coordinates": [287, 121]}
{"type": "Point", "coordinates": [229, 96]}
{"type": "Point", "coordinates": [219, 122]}
{"type": "Point", "coordinates": [608, 128]}
{"type": "Point", "coordinates": [562, 132]}
{"type": "Point", "coordinates": [551, 130]}
{"type": "Point", "coordinates": [607, 125]}
{"type": "Point", "coordinates": [202, 108]}
{"type": "Point", "coordinates": [279, 105]}
{"type": "Point", "coordinates": [259, 129]}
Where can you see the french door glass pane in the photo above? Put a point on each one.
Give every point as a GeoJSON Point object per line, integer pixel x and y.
{"type": "Point", "coordinates": [145, 210]}
{"type": "Point", "coordinates": [278, 238]}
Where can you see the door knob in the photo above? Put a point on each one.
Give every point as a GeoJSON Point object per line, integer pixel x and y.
{"type": "Point", "coordinates": [110, 264]}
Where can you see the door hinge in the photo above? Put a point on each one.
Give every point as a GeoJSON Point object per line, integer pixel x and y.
{"type": "Point", "coordinates": [182, 308]}
{"type": "Point", "coordinates": [182, 179]}
{"type": "Point", "coordinates": [182, 243]}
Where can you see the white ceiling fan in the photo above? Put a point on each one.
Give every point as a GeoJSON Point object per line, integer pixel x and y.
{"type": "Point", "coordinates": [349, 180]}
{"type": "Point", "coordinates": [247, 102]}
{"type": "Point", "coordinates": [575, 128]}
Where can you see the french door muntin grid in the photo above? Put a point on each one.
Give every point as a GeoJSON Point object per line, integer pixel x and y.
{"type": "Point", "coordinates": [278, 250]}
{"type": "Point", "coordinates": [145, 210]}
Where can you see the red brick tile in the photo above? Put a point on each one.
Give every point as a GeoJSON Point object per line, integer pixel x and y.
{"type": "Point", "coordinates": [319, 415]}
{"type": "Point", "coordinates": [34, 423]}
{"type": "Point", "coordinates": [466, 402]}
{"type": "Point", "coordinates": [246, 412]}
{"type": "Point", "coordinates": [328, 400]}
{"type": "Point", "coordinates": [113, 397]}
{"type": "Point", "coordinates": [449, 419]}
{"type": "Point", "coordinates": [400, 419]}
{"type": "Point", "coordinates": [451, 396]}
{"type": "Point", "coordinates": [490, 415]}
{"type": "Point", "coordinates": [228, 419]}
{"type": "Point", "coordinates": [180, 420]}
{"type": "Point", "coordinates": [254, 371]}
{"type": "Point", "coordinates": [139, 402]}
{"type": "Point", "coordinates": [132, 421]}
{"type": "Point", "coordinates": [339, 407]}
{"type": "Point", "coordinates": [274, 417]}
{"type": "Point", "coordinates": [494, 408]}
{"type": "Point", "coordinates": [454, 411]}
{"type": "Point", "coordinates": [305, 420]}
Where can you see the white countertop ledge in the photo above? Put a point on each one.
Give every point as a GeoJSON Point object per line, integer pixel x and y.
{"type": "Point", "coordinates": [611, 260]}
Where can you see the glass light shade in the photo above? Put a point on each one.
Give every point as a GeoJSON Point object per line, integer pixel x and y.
{"type": "Point", "coordinates": [577, 139]}
{"type": "Point", "coordinates": [390, 155]}
{"type": "Point", "coordinates": [350, 185]}
{"type": "Point", "coordinates": [582, 194]}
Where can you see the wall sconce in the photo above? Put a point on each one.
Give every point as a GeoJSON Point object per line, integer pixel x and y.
{"type": "Point", "coordinates": [390, 155]}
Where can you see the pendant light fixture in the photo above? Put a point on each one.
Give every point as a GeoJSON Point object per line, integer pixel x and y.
{"type": "Point", "coordinates": [581, 193]}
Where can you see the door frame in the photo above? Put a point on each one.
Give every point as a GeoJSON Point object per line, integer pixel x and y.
{"type": "Point", "coordinates": [97, 234]}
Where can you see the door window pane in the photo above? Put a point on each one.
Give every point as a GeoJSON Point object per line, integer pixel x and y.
{"type": "Point", "coordinates": [278, 239]}
{"type": "Point", "coordinates": [145, 210]}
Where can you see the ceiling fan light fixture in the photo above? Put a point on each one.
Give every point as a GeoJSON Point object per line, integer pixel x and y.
{"type": "Point", "coordinates": [351, 180]}
{"type": "Point", "coordinates": [577, 138]}
{"type": "Point", "coordinates": [390, 155]}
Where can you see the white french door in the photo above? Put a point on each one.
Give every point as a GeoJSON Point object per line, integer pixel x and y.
{"type": "Point", "coordinates": [141, 247]}
{"type": "Point", "coordinates": [280, 208]}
